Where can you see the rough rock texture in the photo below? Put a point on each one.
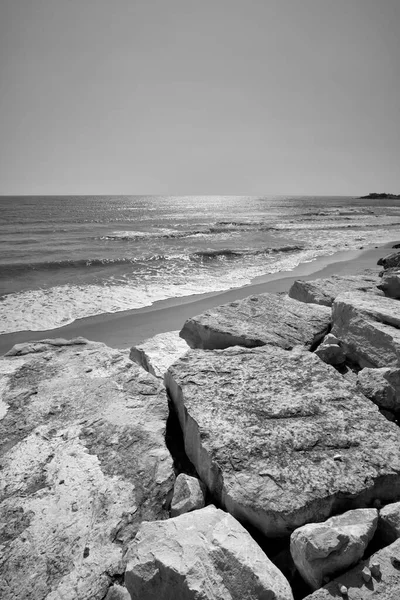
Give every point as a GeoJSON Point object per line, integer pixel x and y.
{"type": "Point", "coordinates": [390, 283]}
{"type": "Point", "coordinates": [83, 460]}
{"type": "Point", "coordinates": [188, 495]}
{"type": "Point", "coordinates": [118, 592]}
{"type": "Point", "coordinates": [324, 291]}
{"type": "Point", "coordinates": [382, 386]}
{"type": "Point", "coordinates": [205, 554]}
{"type": "Point", "coordinates": [380, 587]}
{"type": "Point", "coordinates": [325, 549]}
{"type": "Point", "coordinates": [158, 353]}
{"type": "Point", "coordinates": [257, 320]}
{"type": "Point", "coordinates": [368, 328]}
{"type": "Point", "coordinates": [390, 261]}
{"type": "Point", "coordinates": [389, 523]}
{"type": "Point", "coordinates": [280, 438]}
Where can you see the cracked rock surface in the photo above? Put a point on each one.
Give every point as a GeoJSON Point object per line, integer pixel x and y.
{"type": "Point", "coordinates": [159, 352]}
{"type": "Point", "coordinates": [280, 438]}
{"type": "Point", "coordinates": [258, 320]}
{"type": "Point", "coordinates": [202, 555]}
{"type": "Point", "coordinates": [83, 461]}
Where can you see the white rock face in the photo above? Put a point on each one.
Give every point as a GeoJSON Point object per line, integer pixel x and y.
{"type": "Point", "coordinates": [324, 549]}
{"type": "Point", "coordinates": [389, 522]}
{"type": "Point", "coordinates": [390, 283]}
{"type": "Point", "coordinates": [158, 353]}
{"type": "Point", "coordinates": [280, 438]}
{"type": "Point", "coordinates": [83, 461]}
{"type": "Point", "coordinates": [324, 291]}
{"type": "Point", "coordinates": [202, 555]}
{"type": "Point", "coordinates": [383, 586]}
{"type": "Point", "coordinates": [382, 386]}
{"type": "Point", "coordinates": [258, 320]}
{"type": "Point", "coordinates": [368, 328]}
{"type": "Point", "coordinates": [188, 495]}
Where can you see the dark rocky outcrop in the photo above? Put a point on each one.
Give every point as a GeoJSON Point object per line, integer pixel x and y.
{"type": "Point", "coordinates": [368, 328]}
{"type": "Point", "coordinates": [205, 554]}
{"type": "Point", "coordinates": [258, 320]}
{"type": "Point", "coordinates": [390, 261]}
{"type": "Point", "coordinates": [324, 291]}
{"type": "Point", "coordinates": [83, 461]}
{"type": "Point", "coordinates": [390, 283]}
{"type": "Point", "coordinates": [279, 438]}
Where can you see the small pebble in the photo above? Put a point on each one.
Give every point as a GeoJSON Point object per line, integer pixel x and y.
{"type": "Point", "coordinates": [366, 574]}
{"type": "Point", "coordinates": [395, 562]}
{"type": "Point", "coordinates": [89, 369]}
{"type": "Point", "coordinates": [343, 590]}
{"type": "Point", "coordinates": [337, 457]}
{"type": "Point", "coordinates": [375, 569]}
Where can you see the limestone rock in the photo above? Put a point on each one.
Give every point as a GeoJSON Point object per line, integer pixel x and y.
{"type": "Point", "coordinates": [258, 320]}
{"type": "Point", "coordinates": [118, 592]}
{"type": "Point", "coordinates": [324, 549]}
{"type": "Point", "coordinates": [390, 261]}
{"type": "Point", "coordinates": [382, 386]}
{"type": "Point", "coordinates": [389, 523]}
{"type": "Point", "coordinates": [385, 586]}
{"type": "Point", "coordinates": [368, 328]}
{"type": "Point", "coordinates": [263, 428]}
{"type": "Point", "coordinates": [188, 495]}
{"type": "Point", "coordinates": [156, 354]}
{"type": "Point", "coordinates": [324, 291]}
{"type": "Point", "coordinates": [83, 461]}
{"type": "Point", "coordinates": [390, 283]}
{"type": "Point", "coordinates": [205, 554]}
{"type": "Point", "coordinates": [330, 351]}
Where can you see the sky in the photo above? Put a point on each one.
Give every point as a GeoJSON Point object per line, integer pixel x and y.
{"type": "Point", "coordinates": [199, 96]}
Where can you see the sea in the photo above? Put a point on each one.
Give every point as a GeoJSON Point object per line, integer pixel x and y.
{"type": "Point", "coordinates": [67, 257]}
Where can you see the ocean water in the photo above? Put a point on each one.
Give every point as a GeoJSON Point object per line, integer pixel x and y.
{"type": "Point", "coordinates": [63, 258]}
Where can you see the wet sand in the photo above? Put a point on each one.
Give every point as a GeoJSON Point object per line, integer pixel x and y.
{"type": "Point", "coordinates": [127, 328]}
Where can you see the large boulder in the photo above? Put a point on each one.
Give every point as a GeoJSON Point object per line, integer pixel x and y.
{"type": "Point", "coordinates": [258, 320]}
{"type": "Point", "coordinates": [156, 354]}
{"type": "Point", "coordinates": [390, 283]}
{"type": "Point", "coordinates": [389, 523]}
{"type": "Point", "coordinates": [188, 495]}
{"type": "Point", "coordinates": [324, 291]}
{"type": "Point", "coordinates": [322, 550]}
{"type": "Point", "coordinates": [205, 554]}
{"type": "Point", "coordinates": [368, 328]}
{"type": "Point", "coordinates": [83, 461]}
{"type": "Point", "coordinates": [382, 386]}
{"type": "Point", "coordinates": [377, 578]}
{"type": "Point", "coordinates": [280, 438]}
{"type": "Point", "coordinates": [390, 261]}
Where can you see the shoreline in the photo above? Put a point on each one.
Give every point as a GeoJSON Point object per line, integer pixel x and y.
{"type": "Point", "coordinates": [124, 329]}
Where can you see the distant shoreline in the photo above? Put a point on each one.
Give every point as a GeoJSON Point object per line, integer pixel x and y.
{"type": "Point", "coordinates": [380, 196]}
{"type": "Point", "coordinates": [124, 329]}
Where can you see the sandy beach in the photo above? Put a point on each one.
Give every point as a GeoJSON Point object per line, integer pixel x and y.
{"type": "Point", "coordinates": [127, 328]}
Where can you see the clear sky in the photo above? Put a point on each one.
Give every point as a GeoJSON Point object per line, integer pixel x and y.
{"type": "Point", "coordinates": [199, 96]}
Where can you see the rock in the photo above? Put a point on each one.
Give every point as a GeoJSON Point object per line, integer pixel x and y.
{"type": "Point", "coordinates": [390, 261]}
{"type": "Point", "coordinates": [330, 339]}
{"type": "Point", "coordinates": [204, 554]}
{"type": "Point", "coordinates": [389, 523]}
{"type": "Point", "coordinates": [385, 586]}
{"type": "Point", "coordinates": [118, 592]}
{"type": "Point", "coordinates": [258, 320]}
{"type": "Point", "coordinates": [83, 461]}
{"type": "Point", "coordinates": [368, 328]}
{"type": "Point", "coordinates": [156, 354]}
{"type": "Point", "coordinates": [322, 550]}
{"type": "Point", "coordinates": [188, 495]}
{"type": "Point", "coordinates": [324, 291]}
{"type": "Point", "coordinates": [262, 427]}
{"type": "Point", "coordinates": [382, 386]}
{"type": "Point", "coordinates": [390, 283]}
{"type": "Point", "coordinates": [332, 354]}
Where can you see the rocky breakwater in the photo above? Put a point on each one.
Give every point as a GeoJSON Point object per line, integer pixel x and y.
{"type": "Point", "coordinates": [83, 462]}
{"type": "Point", "coordinates": [280, 438]}
{"type": "Point", "coordinates": [271, 319]}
